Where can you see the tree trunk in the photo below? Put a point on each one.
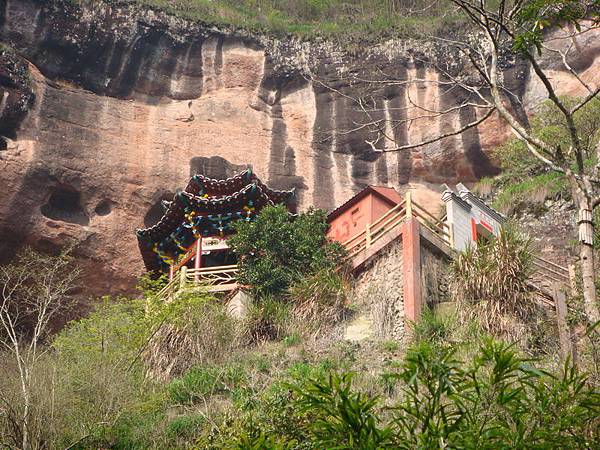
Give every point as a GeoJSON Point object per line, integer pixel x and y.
{"type": "Point", "coordinates": [586, 253]}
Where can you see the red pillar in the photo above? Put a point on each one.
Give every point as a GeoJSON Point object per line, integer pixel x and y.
{"type": "Point", "coordinates": [473, 230]}
{"type": "Point", "coordinates": [411, 262]}
{"type": "Point", "coordinates": [198, 260]}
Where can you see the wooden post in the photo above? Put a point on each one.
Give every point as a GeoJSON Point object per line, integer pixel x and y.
{"type": "Point", "coordinates": [564, 333]}
{"type": "Point", "coordinates": [182, 277]}
{"type": "Point", "coordinates": [368, 235]}
{"type": "Point", "coordinates": [408, 197]}
{"type": "Point", "coordinates": [198, 261]}
{"type": "Point", "coordinates": [171, 273]}
{"type": "Point", "coordinates": [411, 268]}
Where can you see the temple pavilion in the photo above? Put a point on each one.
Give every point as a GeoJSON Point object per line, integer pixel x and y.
{"type": "Point", "coordinates": [195, 225]}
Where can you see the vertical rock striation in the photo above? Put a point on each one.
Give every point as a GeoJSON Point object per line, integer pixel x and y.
{"type": "Point", "coordinates": [129, 102]}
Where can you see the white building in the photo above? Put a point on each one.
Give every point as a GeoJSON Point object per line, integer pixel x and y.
{"type": "Point", "coordinates": [469, 218]}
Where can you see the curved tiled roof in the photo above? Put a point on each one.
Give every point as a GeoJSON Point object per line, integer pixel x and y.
{"type": "Point", "coordinates": [206, 207]}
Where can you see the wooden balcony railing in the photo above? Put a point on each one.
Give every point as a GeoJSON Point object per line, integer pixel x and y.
{"type": "Point", "coordinates": [551, 271]}
{"type": "Point", "coordinates": [212, 279]}
{"type": "Point", "coordinates": [391, 220]}
{"type": "Point", "coordinates": [215, 279]}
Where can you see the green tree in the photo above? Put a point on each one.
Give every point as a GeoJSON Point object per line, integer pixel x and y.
{"type": "Point", "coordinates": [34, 291]}
{"type": "Point", "coordinates": [278, 249]}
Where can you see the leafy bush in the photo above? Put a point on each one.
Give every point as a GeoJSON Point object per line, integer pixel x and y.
{"type": "Point", "coordinates": [497, 400]}
{"type": "Point", "coordinates": [96, 373]}
{"type": "Point", "coordinates": [340, 417]}
{"type": "Point", "coordinates": [277, 249]}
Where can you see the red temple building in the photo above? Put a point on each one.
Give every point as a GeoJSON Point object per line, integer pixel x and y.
{"type": "Point", "coordinates": [364, 208]}
{"type": "Point", "coordinates": [195, 224]}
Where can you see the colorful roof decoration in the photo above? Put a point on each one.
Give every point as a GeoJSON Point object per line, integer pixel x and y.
{"type": "Point", "coordinates": [207, 207]}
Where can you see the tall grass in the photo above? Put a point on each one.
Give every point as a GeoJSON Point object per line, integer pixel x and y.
{"type": "Point", "coordinates": [491, 285]}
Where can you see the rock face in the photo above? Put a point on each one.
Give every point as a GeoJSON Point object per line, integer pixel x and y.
{"type": "Point", "coordinates": [130, 102]}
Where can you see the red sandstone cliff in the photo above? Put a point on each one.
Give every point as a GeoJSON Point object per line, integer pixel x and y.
{"type": "Point", "coordinates": [122, 105]}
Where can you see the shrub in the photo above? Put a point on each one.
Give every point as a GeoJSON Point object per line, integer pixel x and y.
{"type": "Point", "coordinates": [432, 327]}
{"type": "Point", "coordinates": [266, 319]}
{"type": "Point", "coordinates": [497, 400]}
{"type": "Point", "coordinates": [194, 328]}
{"type": "Point", "coordinates": [186, 426]}
{"type": "Point", "coordinates": [277, 249]}
{"type": "Point", "coordinates": [96, 375]}
{"type": "Point", "coordinates": [491, 284]}
{"type": "Point", "coordinates": [204, 381]}
{"type": "Point", "coordinates": [340, 417]}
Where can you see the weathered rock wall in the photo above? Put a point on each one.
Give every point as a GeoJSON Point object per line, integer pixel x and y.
{"type": "Point", "coordinates": [130, 102]}
{"type": "Point", "coordinates": [435, 273]}
{"type": "Point", "coordinates": [379, 294]}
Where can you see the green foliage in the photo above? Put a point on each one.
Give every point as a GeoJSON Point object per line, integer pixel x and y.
{"type": "Point", "coordinates": [187, 426]}
{"type": "Point", "coordinates": [267, 319]}
{"type": "Point", "coordinates": [308, 18]}
{"type": "Point", "coordinates": [494, 399]}
{"type": "Point", "coordinates": [535, 16]}
{"type": "Point", "coordinates": [201, 382]}
{"type": "Point", "coordinates": [149, 286]}
{"type": "Point", "coordinates": [498, 400]}
{"type": "Point", "coordinates": [526, 182]}
{"type": "Point", "coordinates": [431, 327]}
{"type": "Point", "coordinates": [390, 346]}
{"type": "Point", "coordinates": [97, 372]}
{"type": "Point", "coordinates": [340, 417]}
{"type": "Point", "coordinates": [531, 193]}
{"type": "Point", "coordinates": [112, 334]}
{"type": "Point", "coordinates": [277, 250]}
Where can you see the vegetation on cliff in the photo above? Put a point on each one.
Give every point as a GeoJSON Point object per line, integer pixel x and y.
{"type": "Point", "coordinates": [310, 18]}
{"type": "Point", "coordinates": [525, 182]}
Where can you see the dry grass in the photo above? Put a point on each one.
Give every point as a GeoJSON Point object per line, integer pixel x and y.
{"type": "Point", "coordinates": [320, 300]}
{"type": "Point", "coordinates": [203, 333]}
{"type": "Point", "coordinates": [267, 319]}
{"type": "Point", "coordinates": [491, 283]}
